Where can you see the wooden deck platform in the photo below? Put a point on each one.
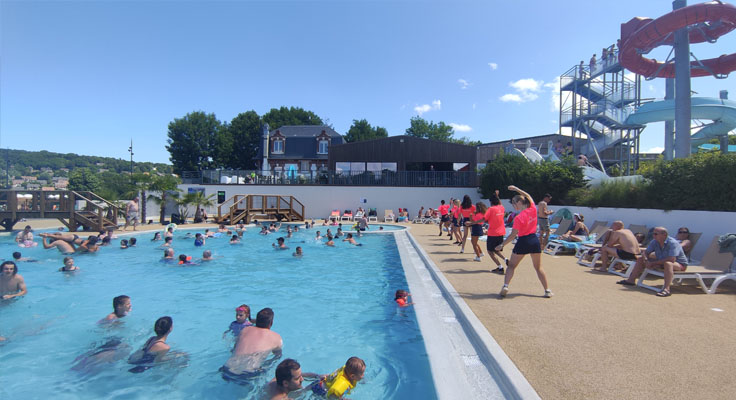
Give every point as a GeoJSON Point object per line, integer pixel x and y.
{"type": "Point", "coordinates": [246, 208]}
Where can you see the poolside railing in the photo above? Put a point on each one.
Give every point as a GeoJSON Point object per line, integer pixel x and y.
{"type": "Point", "coordinates": [334, 178]}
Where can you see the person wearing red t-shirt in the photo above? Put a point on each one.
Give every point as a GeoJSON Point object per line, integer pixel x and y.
{"type": "Point", "coordinates": [476, 228]}
{"type": "Point", "coordinates": [496, 230]}
{"type": "Point", "coordinates": [525, 226]}
{"type": "Point", "coordinates": [455, 211]}
{"type": "Point", "coordinates": [467, 209]}
{"type": "Point", "coordinates": [444, 211]}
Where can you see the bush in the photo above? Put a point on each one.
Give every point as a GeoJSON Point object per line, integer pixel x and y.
{"type": "Point", "coordinates": [704, 181]}
{"type": "Point", "coordinates": [536, 179]}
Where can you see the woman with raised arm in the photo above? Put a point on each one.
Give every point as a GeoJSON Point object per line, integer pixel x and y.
{"type": "Point", "coordinates": [525, 226]}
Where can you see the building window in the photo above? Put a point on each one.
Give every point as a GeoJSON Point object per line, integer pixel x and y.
{"type": "Point", "coordinates": [278, 146]}
{"type": "Point", "coordinates": [323, 147]}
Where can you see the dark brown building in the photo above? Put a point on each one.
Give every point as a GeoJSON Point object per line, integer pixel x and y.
{"type": "Point", "coordinates": [402, 153]}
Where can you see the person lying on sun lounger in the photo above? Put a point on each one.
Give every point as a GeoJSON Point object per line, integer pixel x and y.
{"type": "Point", "coordinates": [579, 231]}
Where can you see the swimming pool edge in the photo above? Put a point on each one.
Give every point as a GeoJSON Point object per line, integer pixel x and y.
{"type": "Point", "coordinates": [506, 375]}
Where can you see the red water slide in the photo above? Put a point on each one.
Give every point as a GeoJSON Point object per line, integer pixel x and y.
{"type": "Point", "coordinates": [708, 21]}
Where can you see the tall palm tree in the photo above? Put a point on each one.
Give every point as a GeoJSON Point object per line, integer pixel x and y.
{"type": "Point", "coordinates": [163, 187]}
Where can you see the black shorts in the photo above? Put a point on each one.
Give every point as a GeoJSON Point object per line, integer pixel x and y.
{"type": "Point", "coordinates": [445, 218]}
{"type": "Point", "coordinates": [493, 242]}
{"type": "Point", "coordinates": [625, 255]}
{"type": "Point", "coordinates": [476, 230]}
{"type": "Point", "coordinates": [455, 222]}
{"type": "Point", "coordinates": [528, 244]}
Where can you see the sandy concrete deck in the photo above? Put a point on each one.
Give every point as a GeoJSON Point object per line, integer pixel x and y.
{"type": "Point", "coordinates": [595, 339]}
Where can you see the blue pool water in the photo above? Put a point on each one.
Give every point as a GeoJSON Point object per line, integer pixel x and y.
{"type": "Point", "coordinates": [331, 304]}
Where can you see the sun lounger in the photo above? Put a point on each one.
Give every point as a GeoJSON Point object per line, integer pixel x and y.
{"type": "Point", "coordinates": [715, 265]}
{"type": "Point", "coordinates": [388, 215]}
{"type": "Point", "coordinates": [556, 246]}
{"type": "Point", "coordinates": [562, 228]}
{"type": "Point", "coordinates": [372, 215]}
{"type": "Point", "coordinates": [358, 215]}
{"type": "Point", "coordinates": [335, 215]}
{"type": "Point", "coordinates": [347, 216]}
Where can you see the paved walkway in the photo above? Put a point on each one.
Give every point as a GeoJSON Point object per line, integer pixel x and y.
{"type": "Point", "coordinates": [596, 339]}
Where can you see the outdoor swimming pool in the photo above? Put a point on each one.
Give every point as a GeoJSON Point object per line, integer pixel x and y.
{"type": "Point", "coordinates": [331, 304]}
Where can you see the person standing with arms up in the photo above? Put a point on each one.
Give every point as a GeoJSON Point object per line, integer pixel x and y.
{"type": "Point", "coordinates": [525, 226]}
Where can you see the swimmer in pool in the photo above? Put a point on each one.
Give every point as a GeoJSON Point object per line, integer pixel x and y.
{"type": "Point", "coordinates": [185, 259]}
{"type": "Point", "coordinates": [318, 236]}
{"type": "Point", "coordinates": [24, 238]}
{"type": "Point", "coordinates": [264, 230]}
{"type": "Point", "coordinates": [207, 255]}
{"type": "Point", "coordinates": [68, 265]}
{"type": "Point", "coordinates": [298, 252]}
{"type": "Point", "coordinates": [289, 378]}
{"type": "Point", "coordinates": [339, 233]}
{"type": "Point", "coordinates": [155, 347]}
{"type": "Point", "coordinates": [281, 245]}
{"type": "Point", "coordinates": [124, 244]}
{"type": "Point", "coordinates": [156, 237]}
{"type": "Point", "coordinates": [199, 240]}
{"type": "Point", "coordinates": [235, 239]}
{"type": "Point", "coordinates": [132, 242]}
{"type": "Point", "coordinates": [168, 241]}
{"type": "Point", "coordinates": [242, 319]}
{"type": "Point", "coordinates": [402, 297]}
{"type": "Point", "coordinates": [349, 239]}
{"type": "Point", "coordinates": [169, 254]}
{"type": "Point", "coordinates": [88, 245]}
{"type": "Point", "coordinates": [169, 232]}
{"type": "Point", "coordinates": [61, 245]}
{"type": "Point", "coordinates": [18, 257]}
{"type": "Point", "coordinates": [121, 307]}
{"type": "Point", "coordinates": [208, 234]}
{"type": "Point", "coordinates": [342, 381]}
{"type": "Point", "coordinates": [330, 242]}
{"type": "Point", "coordinates": [255, 344]}
{"type": "Point", "coordinates": [12, 283]}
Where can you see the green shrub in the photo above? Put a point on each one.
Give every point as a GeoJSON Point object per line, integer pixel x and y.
{"type": "Point", "coordinates": [536, 179]}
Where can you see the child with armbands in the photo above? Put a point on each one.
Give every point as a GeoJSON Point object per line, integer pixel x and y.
{"type": "Point", "coordinates": [401, 298]}
{"type": "Point", "coordinates": [342, 381]}
{"type": "Point", "coordinates": [242, 319]}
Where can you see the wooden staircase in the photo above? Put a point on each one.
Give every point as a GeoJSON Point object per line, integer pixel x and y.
{"type": "Point", "coordinates": [245, 208]}
{"type": "Point", "coordinates": [85, 210]}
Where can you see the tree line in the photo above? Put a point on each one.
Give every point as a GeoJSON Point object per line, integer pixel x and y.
{"type": "Point", "coordinates": [199, 140]}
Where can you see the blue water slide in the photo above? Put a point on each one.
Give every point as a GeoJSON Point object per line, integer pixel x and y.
{"type": "Point", "coordinates": [721, 112]}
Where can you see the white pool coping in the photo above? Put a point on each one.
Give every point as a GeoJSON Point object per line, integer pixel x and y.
{"type": "Point", "coordinates": [465, 361]}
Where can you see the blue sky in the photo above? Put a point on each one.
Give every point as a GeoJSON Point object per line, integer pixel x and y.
{"type": "Point", "coordinates": [87, 77]}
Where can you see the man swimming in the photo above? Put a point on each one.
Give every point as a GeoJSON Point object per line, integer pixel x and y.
{"type": "Point", "coordinates": [121, 307]}
{"type": "Point", "coordinates": [12, 283]}
{"type": "Point", "coordinates": [281, 245]}
{"type": "Point", "coordinates": [61, 245]}
{"type": "Point", "coordinates": [24, 238]}
{"type": "Point", "coordinates": [254, 345]}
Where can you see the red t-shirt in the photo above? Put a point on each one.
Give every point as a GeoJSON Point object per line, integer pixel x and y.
{"type": "Point", "coordinates": [456, 212]}
{"type": "Point", "coordinates": [526, 221]}
{"type": "Point", "coordinates": [494, 216]}
{"type": "Point", "coordinates": [444, 209]}
{"type": "Point", "coordinates": [467, 212]}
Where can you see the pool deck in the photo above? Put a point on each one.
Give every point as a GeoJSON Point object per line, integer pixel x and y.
{"type": "Point", "coordinates": [594, 338]}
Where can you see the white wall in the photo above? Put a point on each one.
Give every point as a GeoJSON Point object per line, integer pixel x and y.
{"type": "Point", "coordinates": [319, 201]}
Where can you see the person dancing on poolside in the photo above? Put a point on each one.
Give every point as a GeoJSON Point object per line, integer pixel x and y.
{"type": "Point", "coordinates": [525, 226]}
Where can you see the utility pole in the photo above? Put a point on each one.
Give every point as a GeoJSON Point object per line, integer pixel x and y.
{"type": "Point", "coordinates": [130, 149]}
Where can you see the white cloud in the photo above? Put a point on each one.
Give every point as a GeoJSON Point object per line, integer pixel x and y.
{"type": "Point", "coordinates": [554, 88]}
{"type": "Point", "coordinates": [655, 150]}
{"type": "Point", "coordinates": [510, 97]}
{"type": "Point", "coordinates": [527, 85]}
{"type": "Point", "coordinates": [463, 83]}
{"type": "Point", "coordinates": [460, 127]}
{"type": "Point", "coordinates": [436, 105]}
{"type": "Point", "coordinates": [493, 66]}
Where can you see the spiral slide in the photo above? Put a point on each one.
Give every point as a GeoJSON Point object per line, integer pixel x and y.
{"type": "Point", "coordinates": [721, 112]}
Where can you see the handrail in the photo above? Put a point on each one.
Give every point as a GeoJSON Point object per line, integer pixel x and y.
{"type": "Point", "coordinates": [232, 215]}
{"type": "Point", "coordinates": [234, 200]}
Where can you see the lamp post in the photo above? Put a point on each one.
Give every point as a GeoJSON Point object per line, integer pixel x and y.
{"type": "Point", "coordinates": [130, 149]}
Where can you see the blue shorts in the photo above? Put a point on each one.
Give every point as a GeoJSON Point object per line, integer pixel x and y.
{"type": "Point", "coordinates": [528, 244]}
{"type": "Point", "coordinates": [455, 222]}
{"type": "Point", "coordinates": [476, 230]}
{"type": "Point", "coordinates": [492, 242]}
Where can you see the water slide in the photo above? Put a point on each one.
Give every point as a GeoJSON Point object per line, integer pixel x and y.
{"type": "Point", "coordinates": [721, 112]}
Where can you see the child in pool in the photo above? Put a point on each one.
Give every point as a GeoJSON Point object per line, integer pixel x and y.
{"type": "Point", "coordinates": [342, 381]}
{"type": "Point", "coordinates": [298, 252]}
{"type": "Point", "coordinates": [401, 298]}
{"type": "Point", "coordinates": [124, 244]}
{"type": "Point", "coordinates": [242, 319]}
{"type": "Point", "coordinates": [68, 265]}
